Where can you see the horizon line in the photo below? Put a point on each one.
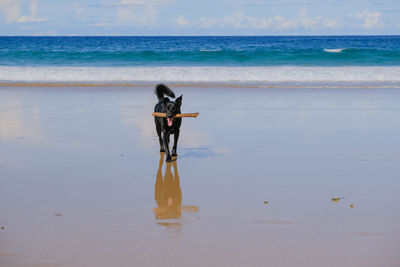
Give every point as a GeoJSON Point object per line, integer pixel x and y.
{"type": "Point", "coordinates": [272, 35]}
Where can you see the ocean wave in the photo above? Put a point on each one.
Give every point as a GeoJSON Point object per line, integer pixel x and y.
{"type": "Point", "coordinates": [334, 50]}
{"type": "Point", "coordinates": [203, 57]}
{"type": "Point", "coordinates": [210, 50]}
{"type": "Point", "coordinates": [221, 51]}
{"type": "Point", "coordinates": [258, 75]}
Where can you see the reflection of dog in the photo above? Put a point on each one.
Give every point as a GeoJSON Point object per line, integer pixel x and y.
{"type": "Point", "coordinates": [167, 192]}
{"type": "Point", "coordinates": [169, 125]}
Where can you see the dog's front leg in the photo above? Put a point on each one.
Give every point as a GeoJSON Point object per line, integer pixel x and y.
{"type": "Point", "coordinates": [158, 128]}
{"type": "Point", "coordinates": [176, 136]}
{"type": "Point", "coordinates": [166, 145]}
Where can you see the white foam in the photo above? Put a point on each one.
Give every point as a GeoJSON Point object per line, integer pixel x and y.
{"type": "Point", "coordinates": [210, 50]}
{"type": "Point", "coordinates": [263, 75]}
{"type": "Point", "coordinates": [335, 50]}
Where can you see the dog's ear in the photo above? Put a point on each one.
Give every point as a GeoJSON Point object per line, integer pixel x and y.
{"type": "Point", "coordinates": [179, 100]}
{"type": "Point", "coordinates": [166, 100]}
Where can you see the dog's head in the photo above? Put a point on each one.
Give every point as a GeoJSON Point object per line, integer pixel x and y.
{"type": "Point", "coordinates": [171, 108]}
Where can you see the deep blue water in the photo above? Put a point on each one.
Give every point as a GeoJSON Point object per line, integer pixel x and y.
{"type": "Point", "coordinates": [201, 51]}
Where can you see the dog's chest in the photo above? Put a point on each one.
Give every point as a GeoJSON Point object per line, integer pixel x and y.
{"type": "Point", "coordinates": [171, 130]}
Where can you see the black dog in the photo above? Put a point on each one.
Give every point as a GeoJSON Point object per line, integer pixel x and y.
{"type": "Point", "coordinates": [169, 125]}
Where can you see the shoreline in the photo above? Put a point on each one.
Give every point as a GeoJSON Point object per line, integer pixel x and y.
{"type": "Point", "coordinates": [333, 85]}
{"type": "Point", "coordinates": [229, 76]}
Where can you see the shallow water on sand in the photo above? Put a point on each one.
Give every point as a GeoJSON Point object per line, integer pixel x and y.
{"type": "Point", "coordinates": [265, 177]}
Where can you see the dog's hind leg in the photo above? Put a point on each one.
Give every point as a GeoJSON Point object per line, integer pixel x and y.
{"type": "Point", "coordinates": [176, 136]}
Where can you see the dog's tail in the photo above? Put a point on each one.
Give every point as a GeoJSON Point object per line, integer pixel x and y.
{"type": "Point", "coordinates": [162, 89]}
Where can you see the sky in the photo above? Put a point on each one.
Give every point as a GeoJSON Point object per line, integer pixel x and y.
{"type": "Point", "coordinates": [201, 17]}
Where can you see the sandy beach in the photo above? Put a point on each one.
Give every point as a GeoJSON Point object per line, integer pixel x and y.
{"type": "Point", "coordinates": [264, 177]}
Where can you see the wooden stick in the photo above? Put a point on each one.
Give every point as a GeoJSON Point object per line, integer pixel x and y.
{"type": "Point", "coordinates": [163, 115]}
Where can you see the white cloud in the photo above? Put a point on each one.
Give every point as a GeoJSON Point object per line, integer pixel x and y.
{"type": "Point", "coordinates": [102, 24]}
{"type": "Point", "coordinates": [79, 9]}
{"type": "Point", "coordinates": [284, 23]}
{"type": "Point", "coordinates": [302, 20]}
{"type": "Point", "coordinates": [331, 23]}
{"type": "Point", "coordinates": [370, 20]}
{"type": "Point", "coordinates": [120, 13]}
{"type": "Point", "coordinates": [182, 21]}
{"type": "Point", "coordinates": [32, 17]}
{"type": "Point", "coordinates": [306, 21]}
{"type": "Point", "coordinates": [240, 20]}
{"type": "Point", "coordinates": [12, 9]}
{"type": "Point", "coordinates": [143, 12]}
{"type": "Point", "coordinates": [237, 20]}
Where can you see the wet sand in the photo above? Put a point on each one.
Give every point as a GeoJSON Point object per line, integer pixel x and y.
{"type": "Point", "coordinates": [265, 177]}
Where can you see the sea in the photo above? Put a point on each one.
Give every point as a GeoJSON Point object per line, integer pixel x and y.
{"type": "Point", "coordinates": [328, 61]}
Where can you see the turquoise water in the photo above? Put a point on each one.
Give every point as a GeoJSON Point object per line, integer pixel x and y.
{"type": "Point", "coordinates": [200, 51]}
{"type": "Point", "coordinates": [272, 60]}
